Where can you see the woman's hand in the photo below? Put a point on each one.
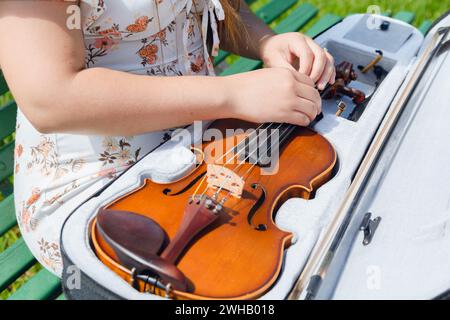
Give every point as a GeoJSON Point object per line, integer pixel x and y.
{"type": "Point", "coordinates": [273, 95]}
{"type": "Point", "coordinates": [296, 51]}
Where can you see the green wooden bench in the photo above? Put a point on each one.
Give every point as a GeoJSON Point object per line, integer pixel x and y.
{"type": "Point", "coordinates": [16, 259]}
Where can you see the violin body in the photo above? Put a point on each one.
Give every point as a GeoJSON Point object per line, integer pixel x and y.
{"type": "Point", "coordinates": [238, 255]}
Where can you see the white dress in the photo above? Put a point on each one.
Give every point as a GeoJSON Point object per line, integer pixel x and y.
{"type": "Point", "coordinates": [54, 173]}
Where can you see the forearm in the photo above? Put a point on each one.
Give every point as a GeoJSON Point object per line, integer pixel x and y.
{"type": "Point", "coordinates": [103, 101]}
{"type": "Point", "coordinates": [249, 43]}
{"type": "Point", "coordinates": [57, 94]}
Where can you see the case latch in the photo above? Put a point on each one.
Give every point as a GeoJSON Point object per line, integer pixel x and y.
{"type": "Point", "coordinates": [369, 226]}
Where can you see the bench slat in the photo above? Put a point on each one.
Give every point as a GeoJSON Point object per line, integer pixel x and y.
{"type": "Point", "coordinates": [7, 215]}
{"type": "Point", "coordinates": [242, 65]}
{"type": "Point", "coordinates": [44, 285]}
{"type": "Point", "coordinates": [61, 297]}
{"type": "Point", "coordinates": [297, 19]}
{"type": "Point", "coordinates": [324, 23]}
{"type": "Point", "coordinates": [426, 26]}
{"type": "Point", "coordinates": [6, 160]}
{"type": "Point", "coordinates": [268, 13]}
{"type": "Point", "coordinates": [405, 16]}
{"type": "Point", "coordinates": [6, 189]}
{"type": "Point", "coordinates": [220, 57]}
{"type": "Point", "coordinates": [3, 85]}
{"type": "Point", "coordinates": [300, 17]}
{"type": "Point", "coordinates": [8, 115]}
{"type": "Point", "coordinates": [14, 261]}
{"type": "Point", "coordinates": [274, 9]}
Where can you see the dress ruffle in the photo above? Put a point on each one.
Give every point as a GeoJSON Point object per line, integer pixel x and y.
{"type": "Point", "coordinates": [91, 11]}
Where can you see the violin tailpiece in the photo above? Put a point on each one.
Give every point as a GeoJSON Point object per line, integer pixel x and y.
{"type": "Point", "coordinates": [197, 216]}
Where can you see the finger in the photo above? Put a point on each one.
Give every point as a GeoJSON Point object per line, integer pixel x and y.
{"type": "Point", "coordinates": [308, 108]}
{"type": "Point", "coordinates": [301, 50]}
{"type": "Point", "coordinates": [333, 77]}
{"type": "Point", "coordinates": [311, 94]}
{"type": "Point", "coordinates": [327, 76]}
{"type": "Point", "coordinates": [320, 60]}
{"type": "Point", "coordinates": [299, 119]}
{"type": "Point", "coordinates": [333, 64]}
{"type": "Point", "coordinates": [304, 79]}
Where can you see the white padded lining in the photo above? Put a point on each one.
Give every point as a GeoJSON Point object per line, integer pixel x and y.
{"type": "Point", "coordinates": [304, 218]}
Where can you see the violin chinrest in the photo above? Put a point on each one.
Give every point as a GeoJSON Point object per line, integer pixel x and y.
{"type": "Point", "coordinates": [131, 231]}
{"type": "Point", "coordinates": [136, 241]}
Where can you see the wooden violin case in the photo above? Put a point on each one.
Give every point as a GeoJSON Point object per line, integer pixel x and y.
{"type": "Point", "coordinates": [375, 230]}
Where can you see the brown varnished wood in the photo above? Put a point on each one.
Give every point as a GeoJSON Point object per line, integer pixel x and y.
{"type": "Point", "coordinates": [136, 241]}
{"type": "Point", "coordinates": [230, 259]}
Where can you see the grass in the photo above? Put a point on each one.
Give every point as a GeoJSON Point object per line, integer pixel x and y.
{"type": "Point", "coordinates": [424, 10]}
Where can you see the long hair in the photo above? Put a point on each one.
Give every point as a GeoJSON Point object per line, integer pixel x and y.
{"type": "Point", "coordinates": [232, 28]}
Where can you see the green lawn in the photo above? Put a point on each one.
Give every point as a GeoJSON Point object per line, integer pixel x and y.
{"type": "Point", "coordinates": [424, 9]}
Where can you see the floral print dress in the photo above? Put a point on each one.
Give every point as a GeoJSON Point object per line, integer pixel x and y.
{"type": "Point", "coordinates": [54, 173]}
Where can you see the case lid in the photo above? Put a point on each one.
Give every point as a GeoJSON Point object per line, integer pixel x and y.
{"type": "Point", "coordinates": [409, 189]}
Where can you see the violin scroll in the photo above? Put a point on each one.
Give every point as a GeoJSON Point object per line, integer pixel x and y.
{"type": "Point", "coordinates": [344, 75]}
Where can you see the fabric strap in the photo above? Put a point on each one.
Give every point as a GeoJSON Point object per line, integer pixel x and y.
{"type": "Point", "coordinates": [212, 11]}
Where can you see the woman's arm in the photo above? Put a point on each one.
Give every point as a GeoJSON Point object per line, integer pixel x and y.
{"type": "Point", "coordinates": [291, 50]}
{"type": "Point", "coordinates": [43, 63]}
{"type": "Point", "coordinates": [249, 42]}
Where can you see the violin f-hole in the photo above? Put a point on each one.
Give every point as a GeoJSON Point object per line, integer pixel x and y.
{"type": "Point", "coordinates": [256, 206]}
{"type": "Point", "coordinates": [168, 191]}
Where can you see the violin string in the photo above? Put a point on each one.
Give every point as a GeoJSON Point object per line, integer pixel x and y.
{"type": "Point", "coordinates": [238, 167]}
{"type": "Point", "coordinates": [284, 135]}
{"type": "Point", "coordinates": [256, 150]}
{"type": "Point", "coordinates": [247, 173]}
{"type": "Point", "coordinates": [236, 170]}
{"type": "Point", "coordinates": [229, 160]}
{"type": "Point", "coordinates": [246, 158]}
{"type": "Point", "coordinates": [198, 187]}
{"type": "Point", "coordinates": [243, 141]}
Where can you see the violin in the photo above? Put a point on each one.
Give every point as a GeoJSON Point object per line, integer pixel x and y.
{"type": "Point", "coordinates": [211, 235]}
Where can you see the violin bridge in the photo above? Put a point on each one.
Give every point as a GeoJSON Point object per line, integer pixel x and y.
{"type": "Point", "coordinates": [220, 177]}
